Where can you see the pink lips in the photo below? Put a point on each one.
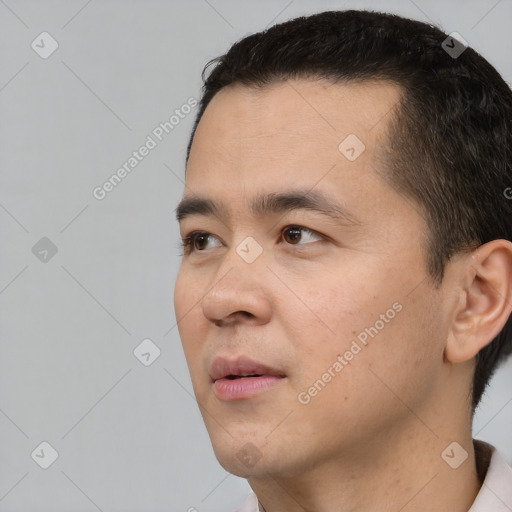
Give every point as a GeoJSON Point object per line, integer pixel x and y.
{"type": "Point", "coordinates": [241, 378]}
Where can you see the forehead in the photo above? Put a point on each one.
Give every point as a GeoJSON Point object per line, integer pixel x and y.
{"type": "Point", "coordinates": [284, 140]}
{"type": "Point", "coordinates": [290, 133]}
{"type": "Point", "coordinates": [275, 121]}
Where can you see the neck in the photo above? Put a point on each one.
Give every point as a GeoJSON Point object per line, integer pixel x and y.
{"type": "Point", "coordinates": [403, 471]}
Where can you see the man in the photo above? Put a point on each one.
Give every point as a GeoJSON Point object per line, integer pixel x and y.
{"type": "Point", "coordinates": [345, 291]}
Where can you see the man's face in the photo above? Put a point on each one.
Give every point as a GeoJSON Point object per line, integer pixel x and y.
{"type": "Point", "coordinates": [333, 310]}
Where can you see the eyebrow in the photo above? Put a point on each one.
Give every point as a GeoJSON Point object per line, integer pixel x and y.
{"type": "Point", "coordinates": [270, 204]}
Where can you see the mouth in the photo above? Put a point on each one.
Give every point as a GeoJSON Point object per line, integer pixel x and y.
{"type": "Point", "coordinates": [242, 378]}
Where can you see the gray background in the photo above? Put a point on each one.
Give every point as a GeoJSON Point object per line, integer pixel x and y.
{"type": "Point", "coordinates": [129, 436]}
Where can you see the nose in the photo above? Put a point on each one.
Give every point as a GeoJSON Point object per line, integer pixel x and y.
{"type": "Point", "coordinates": [239, 293]}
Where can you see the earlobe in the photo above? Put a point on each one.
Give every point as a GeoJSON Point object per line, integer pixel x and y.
{"type": "Point", "coordinates": [485, 300]}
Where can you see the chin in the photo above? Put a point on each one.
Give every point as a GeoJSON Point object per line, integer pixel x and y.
{"type": "Point", "coordinates": [241, 457]}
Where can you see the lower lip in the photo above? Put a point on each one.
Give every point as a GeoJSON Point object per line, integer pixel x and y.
{"type": "Point", "coordinates": [244, 387]}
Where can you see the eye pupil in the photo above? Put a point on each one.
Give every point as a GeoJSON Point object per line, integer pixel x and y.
{"type": "Point", "coordinates": [200, 241]}
{"type": "Point", "coordinates": [292, 235]}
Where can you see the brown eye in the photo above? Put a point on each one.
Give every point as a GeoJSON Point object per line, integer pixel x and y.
{"type": "Point", "coordinates": [292, 234]}
{"type": "Point", "coordinates": [200, 240]}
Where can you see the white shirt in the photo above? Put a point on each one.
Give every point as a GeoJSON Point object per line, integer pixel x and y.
{"type": "Point", "coordinates": [495, 494]}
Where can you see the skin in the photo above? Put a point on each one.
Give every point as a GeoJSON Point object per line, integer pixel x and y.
{"type": "Point", "coordinates": [383, 421]}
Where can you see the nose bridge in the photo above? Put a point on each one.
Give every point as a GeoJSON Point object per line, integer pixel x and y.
{"type": "Point", "coordinates": [239, 285]}
{"type": "Point", "coordinates": [245, 259]}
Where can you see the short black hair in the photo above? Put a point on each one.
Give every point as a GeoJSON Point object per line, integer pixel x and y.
{"type": "Point", "coordinates": [450, 136]}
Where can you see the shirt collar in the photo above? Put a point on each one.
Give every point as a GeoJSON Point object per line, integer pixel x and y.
{"type": "Point", "coordinates": [496, 491]}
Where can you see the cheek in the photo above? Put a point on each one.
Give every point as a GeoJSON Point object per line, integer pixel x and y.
{"type": "Point", "coordinates": [373, 321]}
{"type": "Point", "coordinates": [182, 295]}
{"type": "Point", "coordinates": [397, 364]}
{"type": "Point", "coordinates": [418, 341]}
{"type": "Point", "coordinates": [402, 361]}
{"type": "Point", "coordinates": [335, 308]}
{"type": "Point", "coordinates": [187, 307]}
{"type": "Point", "coordinates": [322, 320]}
{"type": "Point", "coordinates": [188, 293]}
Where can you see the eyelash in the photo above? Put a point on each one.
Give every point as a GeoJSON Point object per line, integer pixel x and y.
{"type": "Point", "coordinates": [187, 243]}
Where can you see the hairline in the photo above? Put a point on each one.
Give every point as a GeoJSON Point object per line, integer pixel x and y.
{"type": "Point", "coordinates": [397, 119]}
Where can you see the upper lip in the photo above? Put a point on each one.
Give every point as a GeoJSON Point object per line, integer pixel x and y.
{"type": "Point", "coordinates": [240, 366]}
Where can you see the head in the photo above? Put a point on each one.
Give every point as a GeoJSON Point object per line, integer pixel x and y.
{"type": "Point", "coordinates": [394, 157]}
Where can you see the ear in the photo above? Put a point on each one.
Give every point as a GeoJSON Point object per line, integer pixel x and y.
{"type": "Point", "coordinates": [485, 301]}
